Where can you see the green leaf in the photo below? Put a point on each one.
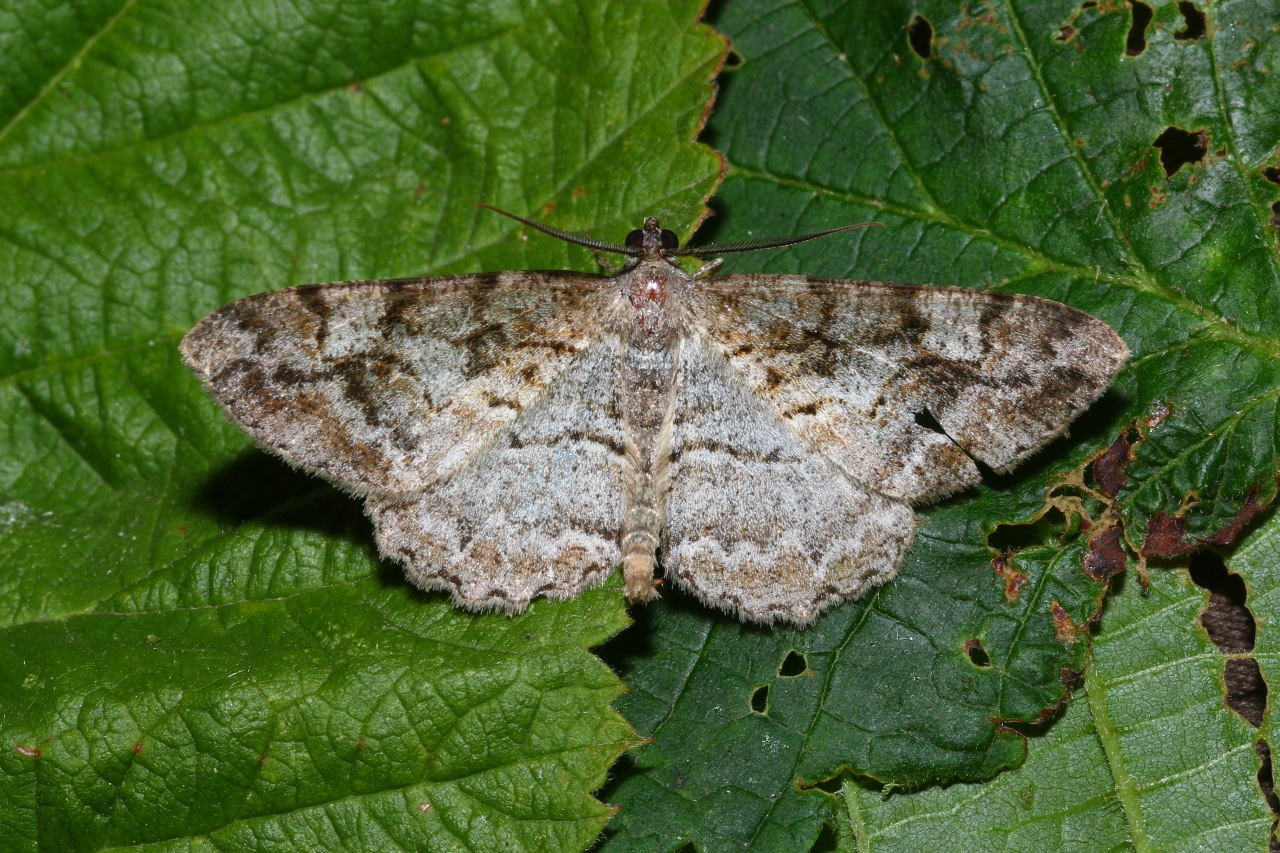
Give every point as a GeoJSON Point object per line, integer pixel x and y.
{"type": "Point", "coordinates": [1017, 148]}
{"type": "Point", "coordinates": [1146, 756]}
{"type": "Point", "coordinates": [197, 645]}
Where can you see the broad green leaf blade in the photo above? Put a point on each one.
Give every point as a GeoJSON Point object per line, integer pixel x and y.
{"type": "Point", "coordinates": [1019, 147]}
{"type": "Point", "coordinates": [196, 644]}
{"type": "Point", "coordinates": [1146, 757]}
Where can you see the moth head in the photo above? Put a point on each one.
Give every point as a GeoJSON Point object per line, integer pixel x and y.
{"type": "Point", "coordinates": [653, 239]}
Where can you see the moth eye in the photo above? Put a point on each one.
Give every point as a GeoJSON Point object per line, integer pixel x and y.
{"type": "Point", "coordinates": [635, 239]}
{"type": "Point", "coordinates": [669, 239]}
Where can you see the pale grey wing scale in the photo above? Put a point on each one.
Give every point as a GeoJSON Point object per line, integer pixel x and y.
{"type": "Point", "coordinates": [858, 370]}
{"type": "Point", "coordinates": [540, 513]}
{"type": "Point", "coordinates": [386, 386]}
{"type": "Point", "coordinates": [757, 523]}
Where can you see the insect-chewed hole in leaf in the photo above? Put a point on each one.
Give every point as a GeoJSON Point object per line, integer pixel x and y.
{"type": "Point", "coordinates": [1226, 619]}
{"type": "Point", "coordinates": [831, 785]}
{"type": "Point", "coordinates": [920, 37]}
{"type": "Point", "coordinates": [1231, 627]}
{"type": "Point", "coordinates": [1136, 43]}
{"type": "Point", "coordinates": [1272, 174]}
{"type": "Point", "coordinates": [1275, 214]}
{"type": "Point", "coordinates": [1048, 529]}
{"type": "Point", "coordinates": [760, 700]}
{"type": "Point", "coordinates": [1179, 147]}
{"type": "Point", "coordinates": [828, 839]}
{"type": "Point", "coordinates": [1065, 33]}
{"type": "Point", "coordinates": [1266, 779]}
{"type": "Point", "coordinates": [977, 653]}
{"type": "Point", "coordinates": [792, 665]}
{"type": "Point", "coordinates": [1194, 18]}
{"type": "Point", "coordinates": [733, 60]}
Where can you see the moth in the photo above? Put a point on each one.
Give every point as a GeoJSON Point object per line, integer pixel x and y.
{"type": "Point", "coordinates": [762, 438]}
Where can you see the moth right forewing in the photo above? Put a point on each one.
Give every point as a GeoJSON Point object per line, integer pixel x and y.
{"type": "Point", "coordinates": [866, 371]}
{"type": "Point", "coordinates": [385, 386]}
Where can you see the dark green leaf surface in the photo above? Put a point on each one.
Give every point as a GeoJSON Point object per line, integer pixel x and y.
{"type": "Point", "coordinates": [198, 646]}
{"type": "Point", "coordinates": [1146, 756]}
{"type": "Point", "coordinates": [1019, 155]}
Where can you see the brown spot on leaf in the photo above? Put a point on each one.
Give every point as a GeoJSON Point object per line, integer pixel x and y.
{"type": "Point", "coordinates": [1109, 468]}
{"type": "Point", "coordinates": [26, 751]}
{"type": "Point", "coordinates": [1067, 631]}
{"type": "Point", "coordinates": [1014, 580]}
{"type": "Point", "coordinates": [1158, 416]}
{"type": "Point", "coordinates": [1166, 535]}
{"type": "Point", "coordinates": [1106, 557]}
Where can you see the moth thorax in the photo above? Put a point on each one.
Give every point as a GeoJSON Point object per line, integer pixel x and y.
{"type": "Point", "coordinates": [648, 291]}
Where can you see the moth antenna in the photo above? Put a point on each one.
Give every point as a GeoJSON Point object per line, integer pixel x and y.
{"type": "Point", "coordinates": [763, 243]}
{"type": "Point", "coordinates": [567, 236]}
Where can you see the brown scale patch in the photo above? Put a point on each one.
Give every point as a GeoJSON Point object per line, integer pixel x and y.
{"type": "Point", "coordinates": [361, 389]}
{"type": "Point", "coordinates": [911, 328]}
{"type": "Point", "coordinates": [285, 375]}
{"type": "Point", "coordinates": [993, 314]}
{"type": "Point", "coordinates": [481, 344]}
{"type": "Point", "coordinates": [774, 377]}
{"type": "Point", "coordinates": [809, 408]}
{"type": "Point", "coordinates": [313, 298]}
{"type": "Point", "coordinates": [944, 378]}
{"type": "Point", "coordinates": [558, 347]}
{"type": "Point", "coordinates": [404, 439]}
{"type": "Point", "coordinates": [401, 312]}
{"type": "Point", "coordinates": [494, 401]}
{"type": "Point", "coordinates": [606, 441]}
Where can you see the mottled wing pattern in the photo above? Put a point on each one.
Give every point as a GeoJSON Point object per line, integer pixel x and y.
{"type": "Point", "coordinates": [860, 369]}
{"type": "Point", "coordinates": [538, 514]}
{"type": "Point", "coordinates": [756, 522]}
{"type": "Point", "coordinates": [385, 386]}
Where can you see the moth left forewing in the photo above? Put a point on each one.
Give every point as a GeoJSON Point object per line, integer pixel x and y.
{"type": "Point", "coordinates": [385, 386]}
{"type": "Point", "coordinates": [861, 370]}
